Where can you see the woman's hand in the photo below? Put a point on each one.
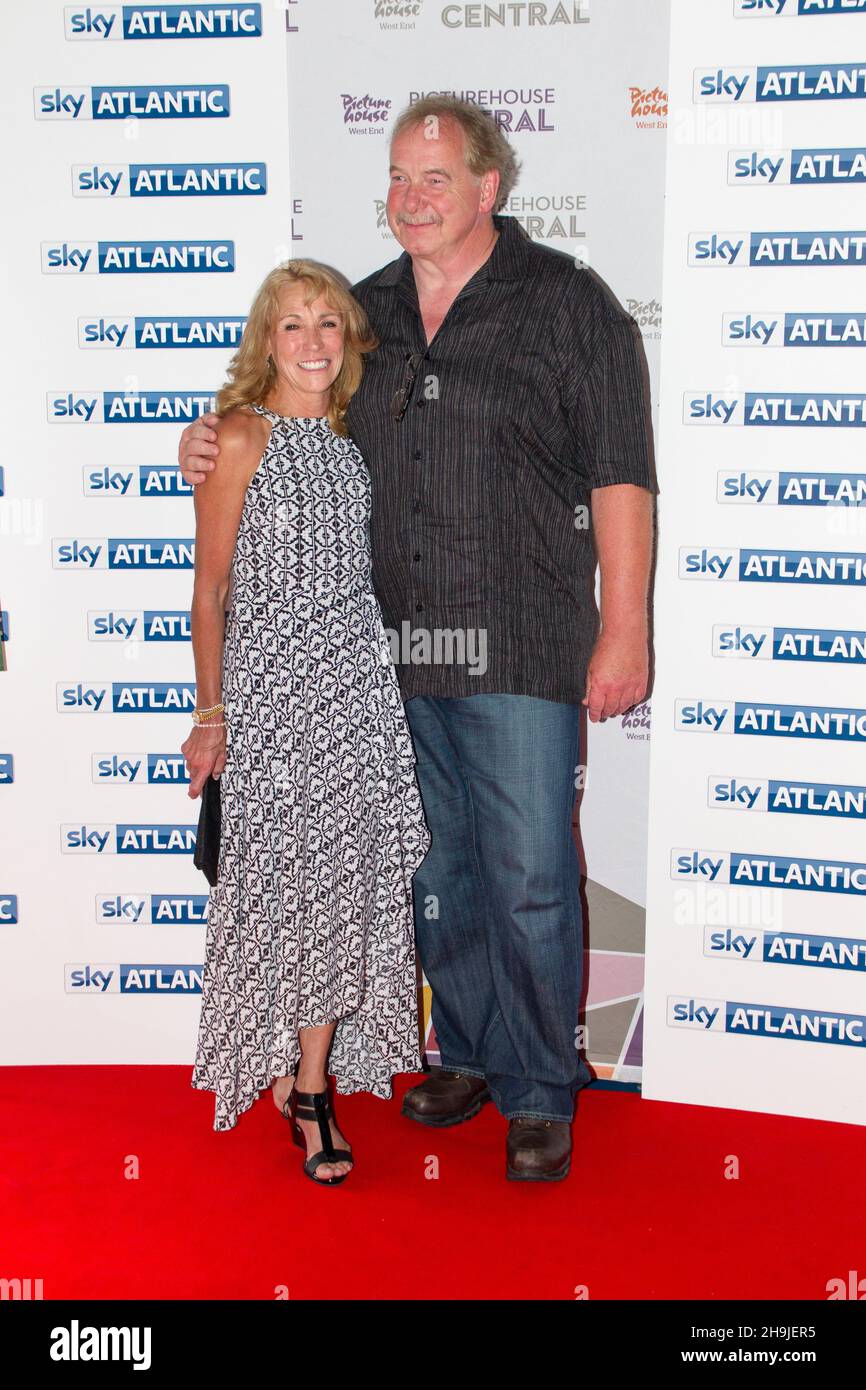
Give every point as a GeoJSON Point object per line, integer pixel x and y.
{"type": "Point", "coordinates": [205, 753]}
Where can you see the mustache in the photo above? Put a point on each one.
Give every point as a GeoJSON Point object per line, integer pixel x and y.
{"type": "Point", "coordinates": [417, 222]}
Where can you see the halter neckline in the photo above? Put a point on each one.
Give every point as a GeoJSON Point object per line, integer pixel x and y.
{"type": "Point", "coordinates": [304, 419]}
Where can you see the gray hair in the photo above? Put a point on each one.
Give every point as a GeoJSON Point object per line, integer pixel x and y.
{"type": "Point", "coordinates": [485, 147]}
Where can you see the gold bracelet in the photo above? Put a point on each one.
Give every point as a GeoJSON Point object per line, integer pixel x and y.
{"type": "Point", "coordinates": [200, 716]}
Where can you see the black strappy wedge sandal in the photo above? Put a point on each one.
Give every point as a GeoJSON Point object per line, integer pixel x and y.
{"type": "Point", "coordinates": [316, 1105]}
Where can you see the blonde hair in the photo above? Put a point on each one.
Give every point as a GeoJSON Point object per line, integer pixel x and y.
{"type": "Point", "coordinates": [251, 373]}
{"type": "Point", "coordinates": [485, 147]}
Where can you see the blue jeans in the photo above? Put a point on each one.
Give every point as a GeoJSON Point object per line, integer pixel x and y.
{"type": "Point", "coordinates": [497, 905]}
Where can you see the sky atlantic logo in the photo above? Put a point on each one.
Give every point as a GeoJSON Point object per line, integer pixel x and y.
{"type": "Point", "coordinates": [145, 103]}
{"type": "Point", "coordinates": [115, 22]}
{"type": "Point", "coordinates": [778, 328]}
{"type": "Point", "coordinates": [140, 480]}
{"type": "Point", "coordinates": [737, 869]}
{"type": "Point", "coordinates": [126, 332]}
{"type": "Point", "coordinates": [766, 1021]}
{"type": "Point", "coordinates": [146, 838]}
{"type": "Point", "coordinates": [807, 489]}
{"type": "Point", "coordinates": [787, 797]}
{"type": "Point", "coordinates": [169, 180]}
{"type": "Point", "coordinates": [786, 948]}
{"type": "Point", "coordinates": [137, 257]}
{"type": "Point", "coordinates": [125, 697]}
{"type": "Point", "coordinates": [152, 909]}
{"type": "Point", "coordinates": [139, 769]}
{"type": "Point", "coordinates": [126, 408]}
{"type": "Point", "coordinates": [808, 166]}
{"type": "Point", "coordinates": [705, 1014]}
{"type": "Point", "coordinates": [122, 553]}
{"type": "Point", "coordinates": [772, 566]}
{"type": "Point", "coordinates": [815, 250]}
{"type": "Point", "coordinates": [92, 978]}
{"type": "Point", "coordinates": [796, 9]}
{"type": "Point", "coordinates": [710, 716]}
{"type": "Point", "coordinates": [738, 945]}
{"type": "Point", "coordinates": [837, 646]}
{"type": "Point", "coordinates": [139, 625]}
{"type": "Point", "coordinates": [765, 408]}
{"type": "Point", "coordinates": [8, 909]}
{"type": "Point", "coordinates": [811, 82]}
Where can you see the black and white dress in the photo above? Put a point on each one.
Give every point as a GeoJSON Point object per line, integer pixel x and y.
{"type": "Point", "coordinates": [322, 825]}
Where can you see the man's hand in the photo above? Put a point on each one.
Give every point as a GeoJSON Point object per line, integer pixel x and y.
{"type": "Point", "coordinates": [618, 675]}
{"type": "Point", "coordinates": [618, 672]}
{"type": "Point", "coordinates": [198, 449]}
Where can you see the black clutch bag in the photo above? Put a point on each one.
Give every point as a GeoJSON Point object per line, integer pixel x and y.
{"type": "Point", "coordinates": [207, 841]}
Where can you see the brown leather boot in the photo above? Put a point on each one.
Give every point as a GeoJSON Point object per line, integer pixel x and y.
{"type": "Point", "coordinates": [537, 1150]}
{"type": "Point", "coordinates": [445, 1098]}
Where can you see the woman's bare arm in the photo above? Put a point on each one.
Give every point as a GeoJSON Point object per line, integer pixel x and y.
{"type": "Point", "coordinates": [218, 505]}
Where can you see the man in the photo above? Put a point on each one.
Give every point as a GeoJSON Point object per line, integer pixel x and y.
{"type": "Point", "coordinates": [504, 410]}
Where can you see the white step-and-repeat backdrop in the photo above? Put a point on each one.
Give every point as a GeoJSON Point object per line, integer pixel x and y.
{"type": "Point", "coordinates": [163, 158]}
{"type": "Point", "coordinates": [757, 853]}
{"type": "Point", "coordinates": [147, 195]}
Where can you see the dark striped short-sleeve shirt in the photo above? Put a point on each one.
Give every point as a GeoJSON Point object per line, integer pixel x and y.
{"type": "Point", "coordinates": [531, 394]}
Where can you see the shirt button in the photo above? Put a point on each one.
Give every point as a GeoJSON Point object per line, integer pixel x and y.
{"type": "Point", "coordinates": [419, 404]}
{"type": "Point", "coordinates": [416, 506]}
{"type": "Point", "coordinates": [419, 608]}
{"type": "Point", "coordinates": [417, 454]}
{"type": "Point", "coordinates": [416, 556]}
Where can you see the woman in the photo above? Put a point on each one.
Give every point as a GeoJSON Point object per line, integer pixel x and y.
{"type": "Point", "coordinates": [309, 949]}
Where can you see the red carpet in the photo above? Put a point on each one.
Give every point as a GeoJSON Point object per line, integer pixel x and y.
{"type": "Point", "coordinates": [646, 1212]}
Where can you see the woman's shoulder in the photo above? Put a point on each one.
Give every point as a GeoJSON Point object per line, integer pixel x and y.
{"type": "Point", "coordinates": [242, 438]}
{"type": "Point", "coordinates": [239, 425]}
{"type": "Point", "coordinates": [241, 432]}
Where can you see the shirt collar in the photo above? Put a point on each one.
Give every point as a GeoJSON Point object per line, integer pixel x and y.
{"type": "Point", "coordinates": [507, 261]}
